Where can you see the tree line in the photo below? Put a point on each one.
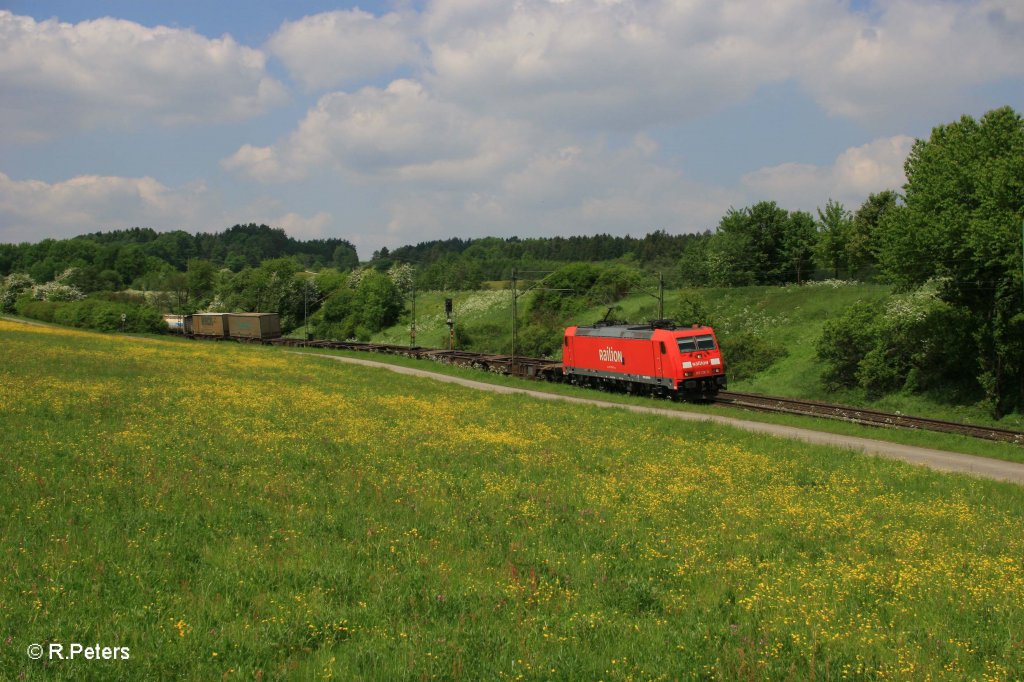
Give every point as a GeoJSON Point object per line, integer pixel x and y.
{"type": "Point", "coordinates": [106, 261]}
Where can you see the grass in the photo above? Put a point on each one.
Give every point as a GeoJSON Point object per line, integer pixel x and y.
{"type": "Point", "coordinates": [230, 511]}
{"type": "Point", "coordinates": [925, 439]}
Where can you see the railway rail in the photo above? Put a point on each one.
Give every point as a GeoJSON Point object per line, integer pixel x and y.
{"type": "Point", "coordinates": [538, 368]}
{"type": "Point", "coordinates": [860, 415]}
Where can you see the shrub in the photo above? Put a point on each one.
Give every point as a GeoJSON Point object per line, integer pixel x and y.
{"type": "Point", "coordinates": [11, 288]}
{"type": "Point", "coordinates": [746, 355]}
{"type": "Point", "coordinates": [95, 314]}
{"type": "Point", "coordinates": [483, 337]}
{"type": "Point", "coordinates": [539, 341]}
{"type": "Point", "coordinates": [914, 342]}
{"type": "Point", "coordinates": [844, 342]}
{"type": "Point", "coordinates": [37, 310]}
{"type": "Point", "coordinates": [690, 309]}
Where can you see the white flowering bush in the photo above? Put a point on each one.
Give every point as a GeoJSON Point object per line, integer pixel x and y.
{"type": "Point", "coordinates": [915, 306]}
{"type": "Point", "coordinates": [355, 278]}
{"type": "Point", "coordinates": [402, 275]}
{"type": "Point", "coordinates": [217, 305]}
{"type": "Point", "coordinates": [58, 289]}
{"type": "Point", "coordinates": [749, 321]}
{"type": "Point", "coordinates": [12, 286]}
{"type": "Point", "coordinates": [832, 283]}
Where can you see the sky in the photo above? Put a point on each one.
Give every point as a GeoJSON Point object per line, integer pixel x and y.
{"type": "Point", "coordinates": [390, 123]}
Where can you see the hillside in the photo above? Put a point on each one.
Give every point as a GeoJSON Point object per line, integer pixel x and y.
{"type": "Point", "coordinates": [275, 516]}
{"type": "Point", "coordinates": [789, 317]}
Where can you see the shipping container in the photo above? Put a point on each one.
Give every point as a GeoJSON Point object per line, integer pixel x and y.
{"type": "Point", "coordinates": [210, 324]}
{"type": "Point", "coordinates": [254, 325]}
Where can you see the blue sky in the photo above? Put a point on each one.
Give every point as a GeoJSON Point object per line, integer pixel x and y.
{"type": "Point", "coordinates": [395, 122]}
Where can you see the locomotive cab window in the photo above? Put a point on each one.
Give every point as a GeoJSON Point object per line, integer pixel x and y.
{"type": "Point", "coordinates": [690, 344]}
{"type": "Point", "coordinates": [662, 344]}
{"type": "Point", "coordinates": [687, 344]}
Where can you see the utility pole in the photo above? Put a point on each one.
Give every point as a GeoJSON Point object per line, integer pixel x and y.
{"type": "Point", "coordinates": [515, 301]}
{"type": "Point", "coordinates": [305, 311]}
{"type": "Point", "coordinates": [412, 328]}
{"type": "Point", "coordinates": [515, 318]}
{"type": "Point", "coordinates": [660, 295]}
{"type": "Point", "coordinates": [411, 297]}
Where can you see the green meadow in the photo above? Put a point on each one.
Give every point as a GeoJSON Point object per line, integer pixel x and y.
{"type": "Point", "coordinates": [236, 512]}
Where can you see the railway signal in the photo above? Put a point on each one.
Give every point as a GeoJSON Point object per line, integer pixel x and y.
{"type": "Point", "coordinates": [451, 325]}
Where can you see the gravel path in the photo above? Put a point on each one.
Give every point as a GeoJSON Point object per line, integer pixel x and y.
{"type": "Point", "coordinates": [940, 460]}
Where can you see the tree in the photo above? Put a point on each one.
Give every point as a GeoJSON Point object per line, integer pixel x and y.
{"type": "Point", "coordinates": [344, 257]}
{"type": "Point", "coordinates": [865, 242]}
{"type": "Point", "coordinates": [378, 301]}
{"type": "Point", "coordinates": [693, 263]}
{"type": "Point", "coordinates": [8, 256]}
{"type": "Point", "coordinates": [747, 247]}
{"type": "Point", "coordinates": [798, 243]}
{"type": "Point", "coordinates": [130, 262]}
{"type": "Point", "coordinates": [833, 237]}
{"type": "Point", "coordinates": [961, 222]}
{"type": "Point", "coordinates": [201, 276]}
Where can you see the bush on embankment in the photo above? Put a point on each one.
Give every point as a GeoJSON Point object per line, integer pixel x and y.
{"type": "Point", "coordinates": [92, 313]}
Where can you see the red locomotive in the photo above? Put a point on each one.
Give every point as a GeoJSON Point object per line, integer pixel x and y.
{"type": "Point", "coordinates": [654, 358]}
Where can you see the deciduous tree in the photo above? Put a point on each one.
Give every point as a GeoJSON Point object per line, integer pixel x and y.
{"type": "Point", "coordinates": [961, 222]}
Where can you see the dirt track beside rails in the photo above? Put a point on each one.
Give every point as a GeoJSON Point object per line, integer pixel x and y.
{"type": "Point", "coordinates": [939, 460]}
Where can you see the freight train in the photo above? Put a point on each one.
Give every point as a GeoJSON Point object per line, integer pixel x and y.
{"type": "Point", "coordinates": [658, 358]}
{"type": "Point", "coordinates": [238, 326]}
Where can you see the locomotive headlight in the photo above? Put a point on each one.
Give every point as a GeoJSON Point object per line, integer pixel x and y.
{"type": "Point", "coordinates": [716, 361]}
{"type": "Point", "coordinates": [687, 364]}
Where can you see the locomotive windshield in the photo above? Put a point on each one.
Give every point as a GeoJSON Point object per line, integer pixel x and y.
{"type": "Point", "coordinates": [689, 344]}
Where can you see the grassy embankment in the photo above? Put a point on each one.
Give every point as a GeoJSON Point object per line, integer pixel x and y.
{"type": "Point", "coordinates": [232, 510]}
{"type": "Point", "coordinates": [790, 316]}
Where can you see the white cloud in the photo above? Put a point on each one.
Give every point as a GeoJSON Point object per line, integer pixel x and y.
{"type": "Point", "coordinates": [58, 77]}
{"type": "Point", "coordinates": [399, 132]}
{"type": "Point", "coordinates": [30, 209]}
{"type": "Point", "coordinates": [261, 164]}
{"type": "Point", "coordinates": [856, 173]}
{"type": "Point", "coordinates": [917, 56]}
{"type": "Point", "coordinates": [301, 227]}
{"type": "Point", "coordinates": [501, 80]}
{"type": "Point", "coordinates": [620, 65]}
{"type": "Point", "coordinates": [343, 48]}
{"type": "Point", "coordinates": [574, 189]}
{"type": "Point", "coordinates": [625, 65]}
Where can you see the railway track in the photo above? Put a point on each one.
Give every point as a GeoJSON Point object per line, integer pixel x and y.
{"type": "Point", "coordinates": [859, 415]}
{"type": "Point", "coordinates": [538, 368]}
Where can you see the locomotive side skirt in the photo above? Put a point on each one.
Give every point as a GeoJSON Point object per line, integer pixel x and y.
{"type": "Point", "coordinates": [637, 378]}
